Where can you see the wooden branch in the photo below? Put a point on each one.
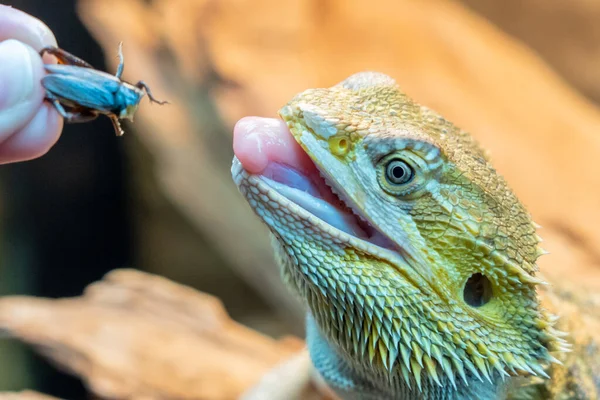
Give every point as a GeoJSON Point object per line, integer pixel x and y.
{"type": "Point", "coordinates": [136, 335]}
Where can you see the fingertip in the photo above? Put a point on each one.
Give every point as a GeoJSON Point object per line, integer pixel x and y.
{"type": "Point", "coordinates": [16, 24]}
{"type": "Point", "coordinates": [28, 126]}
{"type": "Point", "coordinates": [35, 139]}
{"type": "Point", "coordinates": [21, 91]}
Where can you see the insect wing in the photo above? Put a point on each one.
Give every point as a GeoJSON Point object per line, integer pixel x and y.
{"type": "Point", "coordinates": [82, 86]}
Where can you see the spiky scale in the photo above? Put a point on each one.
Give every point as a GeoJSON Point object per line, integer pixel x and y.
{"type": "Point", "coordinates": [431, 368]}
{"type": "Point", "coordinates": [459, 368]}
{"type": "Point", "coordinates": [483, 368]}
{"type": "Point", "coordinates": [497, 365]}
{"type": "Point", "coordinates": [417, 354]}
{"type": "Point", "coordinates": [472, 369]}
{"type": "Point", "coordinates": [539, 370]}
{"type": "Point", "coordinates": [372, 349]}
{"type": "Point", "coordinates": [384, 354]}
{"type": "Point", "coordinates": [436, 353]}
{"type": "Point", "coordinates": [406, 375]}
{"type": "Point", "coordinates": [416, 369]}
{"type": "Point", "coordinates": [392, 356]}
{"type": "Point", "coordinates": [447, 368]}
{"type": "Point", "coordinates": [406, 355]}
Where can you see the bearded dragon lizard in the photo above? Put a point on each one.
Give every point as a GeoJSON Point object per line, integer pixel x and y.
{"type": "Point", "coordinates": [416, 262]}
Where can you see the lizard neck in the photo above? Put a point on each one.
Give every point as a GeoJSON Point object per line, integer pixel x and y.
{"type": "Point", "coordinates": [350, 374]}
{"type": "Point", "coordinates": [352, 381]}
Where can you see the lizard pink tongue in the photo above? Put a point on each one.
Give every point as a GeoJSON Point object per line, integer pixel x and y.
{"type": "Point", "coordinates": [260, 141]}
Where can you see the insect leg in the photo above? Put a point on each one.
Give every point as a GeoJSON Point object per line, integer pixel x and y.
{"type": "Point", "coordinates": [64, 57]}
{"type": "Point", "coordinates": [117, 125]}
{"type": "Point", "coordinates": [142, 85]}
{"type": "Point", "coordinates": [121, 62]}
{"type": "Point", "coordinates": [81, 116]}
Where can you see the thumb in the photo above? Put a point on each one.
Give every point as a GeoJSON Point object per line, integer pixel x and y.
{"type": "Point", "coordinates": [21, 93]}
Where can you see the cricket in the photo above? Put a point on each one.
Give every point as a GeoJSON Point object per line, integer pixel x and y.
{"type": "Point", "coordinates": [87, 92]}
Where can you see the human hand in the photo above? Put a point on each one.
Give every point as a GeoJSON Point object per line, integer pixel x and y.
{"type": "Point", "coordinates": [29, 126]}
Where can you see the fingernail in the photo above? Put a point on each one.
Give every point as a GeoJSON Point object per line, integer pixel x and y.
{"type": "Point", "coordinates": [16, 73]}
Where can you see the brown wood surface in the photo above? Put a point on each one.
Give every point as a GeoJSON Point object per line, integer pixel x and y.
{"type": "Point", "coordinates": [135, 335]}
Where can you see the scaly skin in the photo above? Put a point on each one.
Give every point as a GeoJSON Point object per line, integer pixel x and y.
{"type": "Point", "coordinates": [393, 316]}
{"type": "Point", "coordinates": [578, 375]}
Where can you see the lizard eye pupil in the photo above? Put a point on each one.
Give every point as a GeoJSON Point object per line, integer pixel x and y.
{"type": "Point", "coordinates": [398, 172]}
{"type": "Point", "coordinates": [478, 290]}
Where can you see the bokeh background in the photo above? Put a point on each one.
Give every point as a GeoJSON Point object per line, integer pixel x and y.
{"type": "Point", "coordinates": [522, 75]}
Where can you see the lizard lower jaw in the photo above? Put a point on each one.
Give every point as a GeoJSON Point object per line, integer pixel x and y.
{"type": "Point", "coordinates": [309, 193]}
{"type": "Point", "coordinates": [313, 195]}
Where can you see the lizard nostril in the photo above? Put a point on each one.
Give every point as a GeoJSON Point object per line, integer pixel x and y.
{"type": "Point", "coordinates": [339, 145]}
{"type": "Point", "coordinates": [478, 290]}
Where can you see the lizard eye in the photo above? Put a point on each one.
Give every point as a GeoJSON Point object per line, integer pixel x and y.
{"type": "Point", "coordinates": [402, 175]}
{"type": "Point", "coordinates": [398, 172]}
{"type": "Point", "coordinates": [477, 291]}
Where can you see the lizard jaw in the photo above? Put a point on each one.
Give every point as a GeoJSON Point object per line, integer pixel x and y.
{"type": "Point", "coordinates": [310, 200]}
{"type": "Point", "coordinates": [270, 162]}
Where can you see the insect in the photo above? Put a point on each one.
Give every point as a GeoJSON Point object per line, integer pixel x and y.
{"type": "Point", "coordinates": [88, 92]}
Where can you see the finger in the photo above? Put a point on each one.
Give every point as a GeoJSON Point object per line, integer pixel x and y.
{"type": "Point", "coordinates": [35, 139]}
{"type": "Point", "coordinates": [15, 24]}
{"type": "Point", "coordinates": [28, 127]}
{"type": "Point", "coordinates": [21, 92]}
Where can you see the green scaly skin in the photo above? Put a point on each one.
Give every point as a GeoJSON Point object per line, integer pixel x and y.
{"type": "Point", "coordinates": [391, 321]}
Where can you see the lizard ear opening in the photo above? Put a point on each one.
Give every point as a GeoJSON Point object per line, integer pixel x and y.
{"type": "Point", "coordinates": [478, 290]}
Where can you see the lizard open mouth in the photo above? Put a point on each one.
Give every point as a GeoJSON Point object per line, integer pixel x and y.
{"type": "Point", "coordinates": [265, 148]}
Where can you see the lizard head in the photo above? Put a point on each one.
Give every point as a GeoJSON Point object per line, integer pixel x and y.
{"type": "Point", "coordinates": [426, 261]}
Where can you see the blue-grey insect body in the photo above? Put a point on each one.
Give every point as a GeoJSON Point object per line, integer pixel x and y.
{"type": "Point", "coordinates": [88, 92]}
